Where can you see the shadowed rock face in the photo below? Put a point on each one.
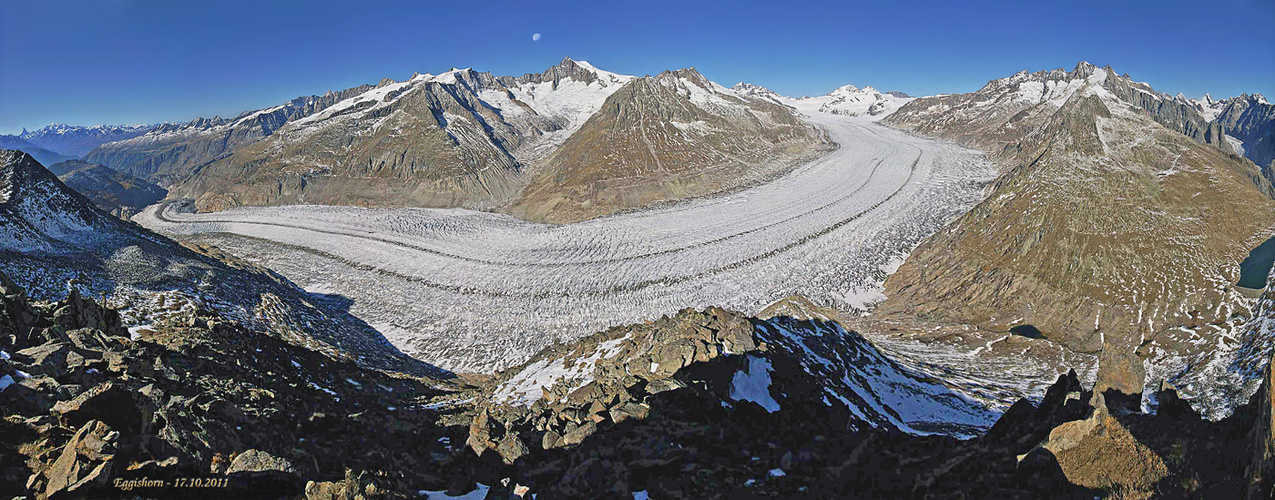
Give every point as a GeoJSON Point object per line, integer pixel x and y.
{"type": "Point", "coordinates": [111, 190]}
{"type": "Point", "coordinates": [1251, 120]}
{"type": "Point", "coordinates": [85, 405]}
{"type": "Point", "coordinates": [1107, 231]}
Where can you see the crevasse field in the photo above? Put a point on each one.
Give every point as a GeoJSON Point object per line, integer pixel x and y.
{"type": "Point", "coordinates": [476, 291]}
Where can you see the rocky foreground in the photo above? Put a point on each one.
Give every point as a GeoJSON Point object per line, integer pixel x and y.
{"type": "Point", "coordinates": [201, 407]}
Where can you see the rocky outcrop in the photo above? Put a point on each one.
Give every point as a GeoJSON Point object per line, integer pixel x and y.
{"type": "Point", "coordinates": [1098, 452]}
{"type": "Point", "coordinates": [565, 394]}
{"type": "Point", "coordinates": [85, 461]}
{"type": "Point", "coordinates": [1260, 472]}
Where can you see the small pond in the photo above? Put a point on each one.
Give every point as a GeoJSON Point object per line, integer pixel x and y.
{"type": "Point", "coordinates": [1255, 269]}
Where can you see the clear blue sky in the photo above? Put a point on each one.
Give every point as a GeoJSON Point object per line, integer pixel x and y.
{"type": "Point", "coordinates": [134, 61]}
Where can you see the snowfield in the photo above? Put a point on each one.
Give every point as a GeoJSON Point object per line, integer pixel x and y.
{"type": "Point", "coordinates": [477, 291]}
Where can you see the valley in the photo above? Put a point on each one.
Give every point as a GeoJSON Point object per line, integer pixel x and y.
{"type": "Point", "coordinates": [474, 291]}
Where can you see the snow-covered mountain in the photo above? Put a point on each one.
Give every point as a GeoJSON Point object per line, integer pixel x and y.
{"type": "Point", "coordinates": [465, 138]}
{"type": "Point", "coordinates": [759, 92]}
{"type": "Point", "coordinates": [853, 101]}
{"type": "Point", "coordinates": [77, 141]}
{"type": "Point", "coordinates": [845, 100]}
{"type": "Point", "coordinates": [1249, 124]}
{"type": "Point", "coordinates": [663, 137]}
{"type": "Point", "coordinates": [1208, 107]}
{"type": "Point", "coordinates": [460, 138]}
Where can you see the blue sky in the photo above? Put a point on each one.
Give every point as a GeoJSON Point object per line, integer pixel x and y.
{"type": "Point", "coordinates": [135, 61]}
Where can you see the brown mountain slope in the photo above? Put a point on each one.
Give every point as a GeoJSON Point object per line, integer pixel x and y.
{"type": "Point", "coordinates": [673, 135]}
{"type": "Point", "coordinates": [428, 141]}
{"type": "Point", "coordinates": [1106, 232]}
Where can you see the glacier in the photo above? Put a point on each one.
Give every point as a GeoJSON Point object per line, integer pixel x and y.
{"type": "Point", "coordinates": [477, 291]}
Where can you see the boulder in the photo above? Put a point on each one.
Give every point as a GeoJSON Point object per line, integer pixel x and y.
{"type": "Point", "coordinates": [85, 460]}
{"type": "Point", "coordinates": [107, 402]}
{"type": "Point", "coordinates": [576, 434]}
{"type": "Point", "coordinates": [259, 461]}
{"type": "Point", "coordinates": [511, 448]}
{"type": "Point", "coordinates": [629, 409]}
{"type": "Point", "coordinates": [551, 440]}
{"type": "Point", "coordinates": [49, 359]}
{"type": "Point", "coordinates": [1099, 452]}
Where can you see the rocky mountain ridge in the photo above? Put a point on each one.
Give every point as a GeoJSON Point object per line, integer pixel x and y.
{"type": "Point", "coordinates": [113, 191]}
{"type": "Point", "coordinates": [169, 151]}
{"type": "Point", "coordinates": [1107, 188]}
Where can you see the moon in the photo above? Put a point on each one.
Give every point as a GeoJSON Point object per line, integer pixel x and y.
{"type": "Point", "coordinates": [535, 37]}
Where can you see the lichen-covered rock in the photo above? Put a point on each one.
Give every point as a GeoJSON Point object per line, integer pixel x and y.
{"type": "Point", "coordinates": [259, 461]}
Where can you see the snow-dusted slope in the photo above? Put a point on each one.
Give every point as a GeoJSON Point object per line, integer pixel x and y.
{"type": "Point", "coordinates": [52, 238]}
{"type": "Point", "coordinates": [872, 386]}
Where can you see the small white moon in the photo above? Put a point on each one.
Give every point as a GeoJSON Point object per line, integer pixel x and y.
{"type": "Point", "coordinates": [535, 37]}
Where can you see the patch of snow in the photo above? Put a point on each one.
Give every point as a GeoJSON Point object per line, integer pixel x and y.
{"type": "Point", "coordinates": [479, 493]}
{"type": "Point", "coordinates": [1236, 144]}
{"type": "Point", "coordinates": [753, 384]}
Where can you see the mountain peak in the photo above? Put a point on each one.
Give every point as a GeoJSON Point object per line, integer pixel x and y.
{"type": "Point", "coordinates": [571, 69]}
